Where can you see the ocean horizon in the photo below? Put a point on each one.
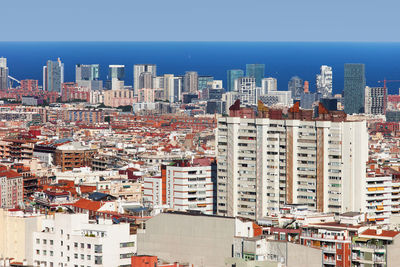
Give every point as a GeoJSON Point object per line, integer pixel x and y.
{"type": "Point", "coordinates": [282, 59]}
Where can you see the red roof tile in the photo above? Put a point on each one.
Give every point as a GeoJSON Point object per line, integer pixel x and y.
{"type": "Point", "coordinates": [87, 204]}
{"type": "Point", "coordinates": [372, 232]}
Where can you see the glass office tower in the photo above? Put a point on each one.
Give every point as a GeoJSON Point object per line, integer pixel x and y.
{"type": "Point", "coordinates": [233, 75]}
{"type": "Point", "coordinates": [256, 71]}
{"type": "Point", "coordinates": [354, 88]}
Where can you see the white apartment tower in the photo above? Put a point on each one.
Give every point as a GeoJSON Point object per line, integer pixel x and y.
{"type": "Point", "coordinates": [324, 81]}
{"type": "Point", "coordinates": [265, 163]}
{"type": "Point", "coordinates": [375, 100]}
{"type": "Point", "coordinates": [269, 85]}
{"type": "Point", "coordinates": [138, 69]}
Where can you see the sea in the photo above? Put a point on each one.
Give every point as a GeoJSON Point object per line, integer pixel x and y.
{"type": "Point", "coordinates": [282, 59]}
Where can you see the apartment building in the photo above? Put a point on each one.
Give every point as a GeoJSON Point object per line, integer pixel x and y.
{"type": "Point", "coordinates": [277, 159]}
{"type": "Point", "coordinates": [183, 186]}
{"type": "Point", "coordinates": [74, 240]}
{"type": "Point", "coordinates": [72, 155]}
{"type": "Point", "coordinates": [11, 188]}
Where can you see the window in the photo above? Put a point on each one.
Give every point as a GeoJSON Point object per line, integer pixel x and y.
{"type": "Point", "coordinates": [44, 241]}
{"type": "Point", "coordinates": [51, 242]}
{"type": "Point", "coordinates": [37, 241]}
{"type": "Point", "coordinates": [88, 257]}
{"type": "Point", "coordinates": [98, 248]}
{"type": "Point", "coordinates": [126, 255]}
{"type": "Point", "coordinates": [82, 245]}
{"type": "Point", "coordinates": [127, 244]}
{"type": "Point", "coordinates": [62, 243]}
{"type": "Point", "coordinates": [44, 252]}
{"type": "Point", "coordinates": [89, 246]}
{"type": "Point", "coordinates": [75, 255]}
{"type": "Point", "coordinates": [51, 253]}
{"type": "Point", "coordinates": [98, 260]}
{"type": "Point", "coordinates": [37, 252]}
{"type": "Point", "coordinates": [339, 246]}
{"type": "Point", "coordinates": [339, 257]}
{"type": "Point", "coordinates": [82, 257]}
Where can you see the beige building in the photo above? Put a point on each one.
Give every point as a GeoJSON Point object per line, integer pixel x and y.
{"type": "Point", "coordinates": [16, 234]}
{"type": "Point", "coordinates": [121, 97]}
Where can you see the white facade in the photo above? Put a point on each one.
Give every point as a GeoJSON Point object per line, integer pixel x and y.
{"type": "Point", "coordinates": [324, 81]}
{"type": "Point", "coordinates": [283, 98]}
{"type": "Point", "coordinates": [11, 191]}
{"type": "Point", "coordinates": [269, 85]}
{"type": "Point", "coordinates": [247, 90]}
{"type": "Point", "coordinates": [96, 97]}
{"type": "Point", "coordinates": [264, 164]}
{"type": "Point", "coordinates": [139, 69]}
{"type": "Point", "coordinates": [172, 88]}
{"type": "Point", "coordinates": [152, 191]}
{"type": "Point", "coordinates": [73, 240]}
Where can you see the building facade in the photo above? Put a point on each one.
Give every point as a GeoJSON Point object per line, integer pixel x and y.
{"type": "Point", "coordinates": [354, 88]}
{"type": "Point", "coordinates": [53, 76]}
{"type": "Point", "coordinates": [375, 100]}
{"type": "Point", "coordinates": [138, 69]}
{"type": "Point", "coordinates": [269, 85]}
{"type": "Point", "coordinates": [324, 81]}
{"type": "Point", "coordinates": [3, 74]}
{"type": "Point", "coordinates": [233, 75]}
{"type": "Point", "coordinates": [255, 71]}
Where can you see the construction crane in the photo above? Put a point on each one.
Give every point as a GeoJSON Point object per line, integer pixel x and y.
{"type": "Point", "coordinates": [12, 78]}
{"type": "Point", "coordinates": [388, 81]}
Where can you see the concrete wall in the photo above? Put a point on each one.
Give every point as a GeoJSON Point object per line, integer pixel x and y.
{"type": "Point", "coordinates": [393, 253]}
{"type": "Point", "coordinates": [199, 240]}
{"type": "Point", "coordinates": [298, 255]}
{"type": "Point", "coordinates": [16, 236]}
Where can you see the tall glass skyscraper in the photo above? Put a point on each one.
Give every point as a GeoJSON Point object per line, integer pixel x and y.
{"type": "Point", "coordinates": [87, 72]}
{"type": "Point", "coordinates": [203, 82]}
{"type": "Point", "coordinates": [53, 75]}
{"type": "Point", "coordinates": [3, 74]}
{"type": "Point", "coordinates": [233, 75]}
{"type": "Point", "coordinates": [256, 71]}
{"type": "Point", "coordinates": [116, 75]}
{"type": "Point", "coordinates": [354, 88]}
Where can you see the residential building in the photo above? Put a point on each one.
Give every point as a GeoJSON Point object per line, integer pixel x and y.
{"type": "Point", "coordinates": [233, 75]}
{"type": "Point", "coordinates": [116, 76]}
{"type": "Point", "coordinates": [74, 240]}
{"type": "Point", "coordinates": [283, 98]}
{"type": "Point", "coordinates": [29, 85]}
{"type": "Point", "coordinates": [295, 85]}
{"type": "Point", "coordinates": [172, 88]}
{"type": "Point", "coordinates": [145, 80]}
{"type": "Point", "coordinates": [256, 71]}
{"type": "Point", "coordinates": [191, 82]}
{"type": "Point", "coordinates": [269, 161]}
{"type": "Point", "coordinates": [16, 237]}
{"type": "Point", "coordinates": [72, 155]}
{"type": "Point", "coordinates": [375, 100]}
{"type": "Point", "coordinates": [73, 92]}
{"type": "Point", "coordinates": [119, 97]}
{"type": "Point", "coordinates": [354, 88]}
{"type": "Point", "coordinates": [138, 69]}
{"type": "Point", "coordinates": [11, 185]}
{"type": "Point", "coordinates": [183, 186]}
{"type": "Point", "coordinates": [53, 76]}
{"type": "Point", "coordinates": [324, 81]}
{"type": "Point", "coordinates": [269, 85]}
{"type": "Point", "coordinates": [3, 74]}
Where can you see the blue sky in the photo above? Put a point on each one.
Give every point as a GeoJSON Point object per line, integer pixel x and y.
{"type": "Point", "coordinates": [201, 20]}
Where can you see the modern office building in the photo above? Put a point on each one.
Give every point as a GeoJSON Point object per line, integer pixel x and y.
{"type": "Point", "coordinates": [138, 69]}
{"type": "Point", "coordinates": [324, 81]}
{"type": "Point", "coordinates": [256, 71]}
{"type": "Point", "coordinates": [354, 88]}
{"type": "Point", "coordinates": [375, 100]}
{"type": "Point", "coordinates": [283, 98]}
{"type": "Point", "coordinates": [191, 82]}
{"type": "Point", "coordinates": [247, 90]}
{"type": "Point", "coordinates": [3, 74]}
{"type": "Point", "coordinates": [269, 161]}
{"type": "Point", "coordinates": [269, 85]}
{"type": "Point", "coordinates": [116, 75]}
{"type": "Point", "coordinates": [88, 76]}
{"type": "Point", "coordinates": [53, 76]}
{"type": "Point", "coordinates": [295, 85]}
{"type": "Point", "coordinates": [204, 82]}
{"type": "Point", "coordinates": [233, 75]}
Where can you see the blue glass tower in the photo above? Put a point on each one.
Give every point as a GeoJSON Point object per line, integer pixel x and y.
{"type": "Point", "coordinates": [233, 75]}
{"type": "Point", "coordinates": [256, 71]}
{"type": "Point", "coordinates": [354, 88]}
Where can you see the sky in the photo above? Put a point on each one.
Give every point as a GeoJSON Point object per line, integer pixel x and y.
{"type": "Point", "coordinates": [200, 20]}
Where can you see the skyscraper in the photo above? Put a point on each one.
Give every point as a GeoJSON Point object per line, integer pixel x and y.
{"type": "Point", "coordinates": [233, 75]}
{"type": "Point", "coordinates": [53, 76]}
{"type": "Point", "coordinates": [354, 88]}
{"type": "Point", "coordinates": [117, 75]}
{"type": "Point", "coordinates": [146, 80]}
{"type": "Point", "coordinates": [324, 81]}
{"type": "Point", "coordinates": [204, 81]}
{"type": "Point", "coordinates": [295, 85]}
{"type": "Point", "coordinates": [139, 69]}
{"type": "Point", "coordinates": [172, 88]}
{"type": "Point", "coordinates": [191, 81]}
{"type": "Point", "coordinates": [3, 74]}
{"type": "Point", "coordinates": [88, 76]}
{"type": "Point", "coordinates": [256, 71]}
{"type": "Point", "coordinates": [268, 85]}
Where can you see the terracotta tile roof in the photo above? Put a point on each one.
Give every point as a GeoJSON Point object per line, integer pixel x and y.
{"type": "Point", "coordinates": [9, 174]}
{"type": "Point", "coordinates": [372, 232]}
{"type": "Point", "coordinates": [87, 204]}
